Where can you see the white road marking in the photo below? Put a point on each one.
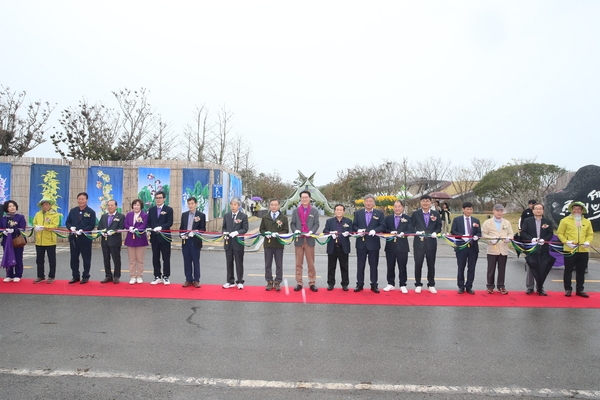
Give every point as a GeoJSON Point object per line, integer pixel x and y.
{"type": "Point", "coordinates": [340, 386]}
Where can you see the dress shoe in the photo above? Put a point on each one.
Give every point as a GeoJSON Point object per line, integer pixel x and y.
{"type": "Point", "coordinates": [490, 290]}
{"type": "Point", "coordinates": [568, 293]}
{"type": "Point", "coordinates": [582, 294]}
{"type": "Point", "coordinates": [196, 284]}
{"type": "Point", "coordinates": [186, 284]}
{"type": "Point", "coordinates": [38, 280]}
{"type": "Point", "coordinates": [374, 289]}
{"type": "Point", "coordinates": [330, 287]}
{"type": "Point", "coordinates": [116, 280]}
{"type": "Point", "coordinates": [84, 281]}
{"type": "Point", "coordinates": [461, 290]}
{"type": "Point", "coordinates": [298, 288]}
{"type": "Point", "coordinates": [503, 291]}
{"type": "Point", "coordinates": [74, 280]}
{"type": "Point", "coordinates": [470, 291]}
{"type": "Point", "coordinates": [313, 288]}
{"type": "Point", "coordinates": [106, 280]}
{"type": "Point", "coordinates": [542, 292]}
{"type": "Point", "coordinates": [529, 291]}
{"type": "Point", "coordinates": [50, 280]}
{"type": "Point", "coordinates": [358, 288]}
{"type": "Point", "coordinates": [345, 288]}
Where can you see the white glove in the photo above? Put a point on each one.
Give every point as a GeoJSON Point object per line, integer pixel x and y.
{"type": "Point", "coordinates": [542, 241]}
{"type": "Point", "coordinates": [296, 232]}
{"type": "Point", "coordinates": [586, 244]}
{"type": "Point", "coordinates": [268, 235]}
{"type": "Point", "coordinates": [131, 229]}
{"type": "Point", "coordinates": [333, 232]}
{"type": "Point", "coordinates": [401, 234]}
{"type": "Point", "coordinates": [534, 241]}
{"type": "Point", "coordinates": [309, 233]}
{"type": "Point", "coordinates": [434, 235]}
{"type": "Point", "coordinates": [191, 234]}
{"type": "Point", "coordinates": [39, 228]}
{"type": "Point", "coordinates": [110, 233]}
{"type": "Point", "coordinates": [372, 232]}
{"type": "Point", "coordinates": [571, 244]}
{"type": "Point", "coordinates": [506, 240]}
{"type": "Point", "coordinates": [233, 234]}
{"type": "Point", "coordinates": [475, 238]}
{"type": "Point", "coordinates": [80, 232]}
{"type": "Point", "coordinates": [494, 241]}
{"type": "Point", "coordinates": [393, 232]}
{"type": "Point", "coordinates": [183, 235]}
{"type": "Point", "coordinates": [345, 234]}
{"type": "Point", "coordinates": [274, 234]}
{"type": "Point", "coordinates": [73, 229]}
{"type": "Point", "coordinates": [361, 231]}
{"type": "Point", "coordinates": [419, 232]}
{"type": "Point", "coordinates": [225, 233]}
{"type": "Point", "coordinates": [8, 231]}
{"type": "Point", "coordinates": [104, 234]}
{"type": "Point", "coordinates": [158, 228]}
{"type": "Point", "coordinates": [334, 236]}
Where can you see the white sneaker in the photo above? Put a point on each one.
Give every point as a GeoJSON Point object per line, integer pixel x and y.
{"type": "Point", "coordinates": [240, 286]}
{"type": "Point", "coordinates": [403, 289]}
{"type": "Point", "coordinates": [418, 289]}
{"type": "Point", "coordinates": [17, 280]}
{"type": "Point", "coordinates": [139, 280]}
{"type": "Point", "coordinates": [388, 288]}
{"type": "Point", "coordinates": [156, 281]}
{"type": "Point", "coordinates": [229, 285]}
{"type": "Point", "coordinates": [166, 281]}
{"type": "Point", "coordinates": [7, 279]}
{"type": "Point", "coordinates": [132, 281]}
{"type": "Point", "coordinates": [432, 290]}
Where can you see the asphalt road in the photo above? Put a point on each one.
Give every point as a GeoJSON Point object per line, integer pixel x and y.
{"type": "Point", "coordinates": [122, 348]}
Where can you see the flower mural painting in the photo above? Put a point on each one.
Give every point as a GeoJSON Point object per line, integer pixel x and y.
{"type": "Point", "coordinates": [151, 181]}
{"type": "Point", "coordinates": [104, 184]}
{"type": "Point", "coordinates": [54, 183]}
{"type": "Point", "coordinates": [196, 184]}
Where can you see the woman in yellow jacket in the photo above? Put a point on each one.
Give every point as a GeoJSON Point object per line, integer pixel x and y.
{"type": "Point", "coordinates": [576, 233]}
{"type": "Point", "coordinates": [44, 222]}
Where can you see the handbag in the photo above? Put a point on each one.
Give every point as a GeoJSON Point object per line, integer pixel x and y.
{"type": "Point", "coordinates": [19, 241]}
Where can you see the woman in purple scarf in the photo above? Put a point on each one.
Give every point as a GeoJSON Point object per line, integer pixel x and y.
{"type": "Point", "coordinates": [136, 240]}
{"type": "Point", "coordinates": [11, 225]}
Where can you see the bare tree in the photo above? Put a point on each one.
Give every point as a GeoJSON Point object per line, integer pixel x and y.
{"type": "Point", "coordinates": [165, 141]}
{"type": "Point", "coordinates": [218, 149]}
{"type": "Point", "coordinates": [463, 180]}
{"type": "Point", "coordinates": [137, 124]}
{"type": "Point", "coordinates": [21, 133]}
{"type": "Point", "coordinates": [197, 135]}
{"type": "Point", "coordinates": [429, 173]}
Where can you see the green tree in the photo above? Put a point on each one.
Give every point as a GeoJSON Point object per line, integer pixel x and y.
{"type": "Point", "coordinates": [519, 182]}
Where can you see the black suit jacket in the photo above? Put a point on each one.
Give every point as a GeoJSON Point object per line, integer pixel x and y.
{"type": "Point", "coordinates": [458, 229]}
{"type": "Point", "coordinates": [118, 223]}
{"type": "Point", "coordinates": [331, 226]}
{"type": "Point", "coordinates": [229, 225]}
{"type": "Point", "coordinates": [401, 244]}
{"type": "Point", "coordinates": [376, 224]}
{"type": "Point", "coordinates": [164, 220]}
{"type": "Point", "coordinates": [81, 219]}
{"type": "Point", "coordinates": [434, 226]}
{"type": "Point", "coordinates": [199, 224]}
{"type": "Point", "coordinates": [529, 231]}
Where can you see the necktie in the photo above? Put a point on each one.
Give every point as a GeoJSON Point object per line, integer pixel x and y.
{"type": "Point", "coordinates": [110, 219]}
{"type": "Point", "coordinates": [468, 226]}
{"type": "Point", "coordinates": [397, 220]}
{"type": "Point", "coordinates": [368, 216]}
{"type": "Point", "coordinates": [426, 216]}
{"type": "Point", "coordinates": [158, 211]}
{"type": "Point", "coordinates": [233, 216]}
{"type": "Point", "coordinates": [273, 214]}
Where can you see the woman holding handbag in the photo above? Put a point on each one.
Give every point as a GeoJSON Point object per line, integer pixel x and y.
{"type": "Point", "coordinates": [11, 225]}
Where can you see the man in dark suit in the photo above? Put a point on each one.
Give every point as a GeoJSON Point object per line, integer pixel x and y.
{"type": "Point", "coordinates": [368, 222]}
{"type": "Point", "coordinates": [234, 223]}
{"type": "Point", "coordinates": [160, 218]}
{"type": "Point", "coordinates": [396, 250]}
{"type": "Point", "coordinates": [338, 246]}
{"type": "Point", "coordinates": [528, 212]}
{"type": "Point", "coordinates": [111, 240]}
{"type": "Point", "coordinates": [80, 219]}
{"type": "Point", "coordinates": [271, 225]}
{"type": "Point", "coordinates": [537, 229]}
{"type": "Point", "coordinates": [192, 222]}
{"type": "Point", "coordinates": [427, 225]}
{"type": "Point", "coordinates": [468, 227]}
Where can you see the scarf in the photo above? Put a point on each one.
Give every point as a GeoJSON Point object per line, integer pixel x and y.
{"type": "Point", "coordinates": [304, 217]}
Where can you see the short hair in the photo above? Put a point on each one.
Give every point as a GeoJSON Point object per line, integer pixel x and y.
{"type": "Point", "coordinates": [425, 197]}
{"type": "Point", "coordinates": [272, 200]}
{"type": "Point", "coordinates": [305, 191]}
{"type": "Point", "coordinates": [161, 193]}
{"type": "Point", "coordinates": [83, 194]}
{"type": "Point", "coordinates": [532, 201]}
{"type": "Point", "coordinates": [140, 202]}
{"type": "Point", "coordinates": [235, 200]}
{"type": "Point", "coordinates": [116, 204]}
{"type": "Point", "coordinates": [369, 196]}
{"type": "Point", "coordinates": [399, 201]}
{"type": "Point", "coordinates": [538, 204]}
{"type": "Point", "coordinates": [192, 199]}
{"type": "Point", "coordinates": [340, 205]}
{"type": "Point", "coordinates": [467, 204]}
{"type": "Point", "coordinates": [7, 202]}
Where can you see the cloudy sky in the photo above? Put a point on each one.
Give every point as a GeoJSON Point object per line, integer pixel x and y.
{"type": "Point", "coordinates": [320, 86]}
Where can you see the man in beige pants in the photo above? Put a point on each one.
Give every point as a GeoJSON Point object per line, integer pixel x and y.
{"type": "Point", "coordinates": [305, 222]}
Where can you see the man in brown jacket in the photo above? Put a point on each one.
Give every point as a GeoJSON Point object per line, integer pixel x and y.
{"type": "Point", "coordinates": [272, 224]}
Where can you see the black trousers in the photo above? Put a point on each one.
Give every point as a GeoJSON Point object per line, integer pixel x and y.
{"type": "Point", "coordinates": [160, 248]}
{"type": "Point", "coordinates": [392, 258]}
{"type": "Point", "coordinates": [114, 253]}
{"type": "Point", "coordinates": [332, 260]}
{"type": "Point", "coordinates": [361, 262]}
{"type": "Point", "coordinates": [466, 257]}
{"type": "Point", "coordinates": [579, 262]}
{"type": "Point", "coordinates": [237, 256]}
{"type": "Point", "coordinates": [420, 256]}
{"type": "Point", "coordinates": [273, 253]}
{"type": "Point", "coordinates": [85, 250]}
{"type": "Point", "coordinates": [40, 252]}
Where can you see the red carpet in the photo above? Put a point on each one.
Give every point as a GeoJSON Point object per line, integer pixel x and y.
{"type": "Point", "coordinates": [446, 298]}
